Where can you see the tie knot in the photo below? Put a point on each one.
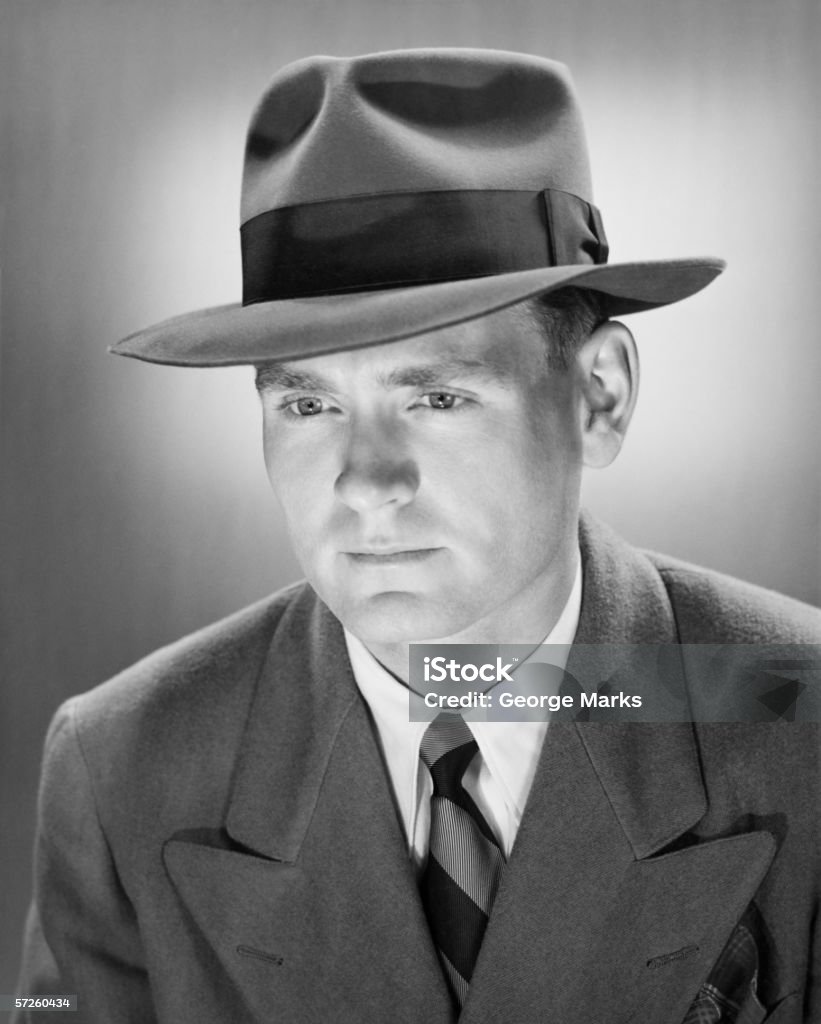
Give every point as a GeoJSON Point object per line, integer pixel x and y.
{"type": "Point", "coordinates": [447, 748]}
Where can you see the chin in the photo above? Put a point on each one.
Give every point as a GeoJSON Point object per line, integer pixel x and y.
{"type": "Point", "coordinates": [400, 617]}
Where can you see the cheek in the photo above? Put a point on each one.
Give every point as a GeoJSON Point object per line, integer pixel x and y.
{"type": "Point", "coordinates": [519, 489]}
{"type": "Point", "coordinates": [511, 461]}
{"type": "Point", "coordinates": [551, 444]}
{"type": "Point", "coordinates": [299, 478]}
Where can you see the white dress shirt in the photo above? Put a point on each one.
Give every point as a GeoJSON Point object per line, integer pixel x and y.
{"type": "Point", "coordinates": [499, 781]}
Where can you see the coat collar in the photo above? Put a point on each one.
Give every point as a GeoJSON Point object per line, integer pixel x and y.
{"type": "Point", "coordinates": [623, 598]}
{"type": "Point", "coordinates": [305, 692]}
{"type": "Point", "coordinates": [650, 772]}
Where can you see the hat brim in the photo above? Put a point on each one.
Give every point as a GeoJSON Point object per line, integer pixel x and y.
{"type": "Point", "coordinates": [291, 329]}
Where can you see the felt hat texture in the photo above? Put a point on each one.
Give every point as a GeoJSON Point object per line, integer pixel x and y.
{"type": "Point", "coordinates": [392, 194]}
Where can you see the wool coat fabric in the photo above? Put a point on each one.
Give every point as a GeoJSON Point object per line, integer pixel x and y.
{"type": "Point", "coordinates": [218, 843]}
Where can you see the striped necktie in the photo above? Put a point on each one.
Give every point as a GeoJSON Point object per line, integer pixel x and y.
{"type": "Point", "coordinates": [464, 860]}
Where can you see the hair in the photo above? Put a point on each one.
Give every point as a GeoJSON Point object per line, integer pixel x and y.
{"type": "Point", "coordinates": [566, 318]}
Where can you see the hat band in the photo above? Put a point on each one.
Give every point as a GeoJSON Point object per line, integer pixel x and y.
{"type": "Point", "coordinates": [410, 238]}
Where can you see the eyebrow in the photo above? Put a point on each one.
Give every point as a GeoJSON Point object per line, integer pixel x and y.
{"type": "Point", "coordinates": [284, 377]}
{"type": "Point", "coordinates": [431, 374]}
{"type": "Point", "coordinates": [277, 375]}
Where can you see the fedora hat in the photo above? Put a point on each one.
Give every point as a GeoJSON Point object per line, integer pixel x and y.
{"type": "Point", "coordinates": [389, 195]}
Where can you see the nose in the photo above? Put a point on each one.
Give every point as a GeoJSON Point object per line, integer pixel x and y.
{"type": "Point", "coordinates": [377, 471]}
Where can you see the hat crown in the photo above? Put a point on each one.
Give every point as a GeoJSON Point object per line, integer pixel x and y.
{"type": "Point", "coordinates": [413, 121]}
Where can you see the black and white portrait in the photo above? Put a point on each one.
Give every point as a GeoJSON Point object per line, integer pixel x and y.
{"type": "Point", "coordinates": [328, 330]}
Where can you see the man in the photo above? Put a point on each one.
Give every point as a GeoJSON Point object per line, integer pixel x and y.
{"type": "Point", "coordinates": [246, 826]}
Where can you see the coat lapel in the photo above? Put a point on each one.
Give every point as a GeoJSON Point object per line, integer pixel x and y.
{"type": "Point", "coordinates": [582, 930]}
{"type": "Point", "coordinates": [593, 920]}
{"type": "Point", "coordinates": [309, 901]}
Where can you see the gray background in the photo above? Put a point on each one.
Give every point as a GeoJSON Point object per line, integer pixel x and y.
{"type": "Point", "coordinates": [135, 506]}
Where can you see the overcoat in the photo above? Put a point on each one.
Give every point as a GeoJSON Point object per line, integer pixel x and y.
{"type": "Point", "coordinates": [218, 841]}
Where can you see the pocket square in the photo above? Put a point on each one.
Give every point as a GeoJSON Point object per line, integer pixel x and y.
{"type": "Point", "coordinates": [729, 995]}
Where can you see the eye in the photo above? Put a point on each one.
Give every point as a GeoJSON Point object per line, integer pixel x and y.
{"type": "Point", "coordinates": [443, 400]}
{"type": "Point", "coordinates": [306, 406]}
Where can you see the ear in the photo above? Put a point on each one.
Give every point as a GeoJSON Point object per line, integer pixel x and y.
{"type": "Point", "coordinates": [608, 368]}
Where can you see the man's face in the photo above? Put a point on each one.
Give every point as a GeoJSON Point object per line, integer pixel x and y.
{"type": "Point", "coordinates": [430, 485]}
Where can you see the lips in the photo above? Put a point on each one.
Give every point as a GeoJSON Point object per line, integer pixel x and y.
{"type": "Point", "coordinates": [390, 555]}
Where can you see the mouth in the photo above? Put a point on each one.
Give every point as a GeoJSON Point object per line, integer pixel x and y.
{"type": "Point", "coordinates": [390, 556]}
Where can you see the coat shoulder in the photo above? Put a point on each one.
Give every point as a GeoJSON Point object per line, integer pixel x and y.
{"type": "Point", "coordinates": [711, 607]}
{"type": "Point", "coordinates": [195, 682]}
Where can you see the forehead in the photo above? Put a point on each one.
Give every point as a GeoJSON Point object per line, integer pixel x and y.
{"type": "Point", "coordinates": [501, 348]}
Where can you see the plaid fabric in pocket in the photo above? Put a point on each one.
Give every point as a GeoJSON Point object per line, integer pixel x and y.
{"type": "Point", "coordinates": [728, 996]}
